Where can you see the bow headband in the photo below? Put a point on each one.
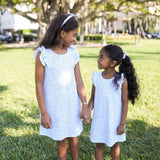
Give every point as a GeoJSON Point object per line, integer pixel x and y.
{"type": "Point", "coordinates": [124, 55]}
{"type": "Point", "coordinates": [70, 16]}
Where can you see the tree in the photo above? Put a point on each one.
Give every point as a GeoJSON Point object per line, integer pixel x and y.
{"type": "Point", "coordinates": [136, 10]}
{"type": "Point", "coordinates": [86, 10]}
{"type": "Point", "coordinates": [45, 10]}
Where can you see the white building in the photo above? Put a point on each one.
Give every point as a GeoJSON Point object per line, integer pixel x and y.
{"type": "Point", "coordinates": [14, 22]}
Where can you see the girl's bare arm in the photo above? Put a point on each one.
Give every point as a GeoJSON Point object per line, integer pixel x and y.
{"type": "Point", "coordinates": [121, 127]}
{"type": "Point", "coordinates": [39, 78]}
{"type": "Point", "coordinates": [91, 101]}
{"type": "Point", "coordinates": [81, 92]}
{"type": "Point", "coordinates": [80, 85]}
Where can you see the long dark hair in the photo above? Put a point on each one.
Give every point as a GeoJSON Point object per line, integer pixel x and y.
{"type": "Point", "coordinates": [52, 35]}
{"type": "Point", "coordinates": [125, 66]}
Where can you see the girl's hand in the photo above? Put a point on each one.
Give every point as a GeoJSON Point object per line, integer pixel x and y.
{"type": "Point", "coordinates": [87, 118]}
{"type": "Point", "coordinates": [45, 120]}
{"type": "Point", "coordinates": [85, 114]}
{"type": "Point", "coordinates": [121, 129]}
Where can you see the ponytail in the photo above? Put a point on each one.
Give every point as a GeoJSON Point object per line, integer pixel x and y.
{"type": "Point", "coordinates": [127, 68]}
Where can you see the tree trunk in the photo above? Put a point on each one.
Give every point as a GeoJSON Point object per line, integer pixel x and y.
{"type": "Point", "coordinates": [135, 30]}
{"type": "Point", "coordinates": [41, 32]}
{"type": "Point", "coordinates": [103, 31]}
{"type": "Point", "coordinates": [139, 35]}
{"type": "Point", "coordinates": [109, 28]}
{"type": "Point", "coordinates": [82, 33]}
{"type": "Point", "coordinates": [115, 29]}
{"type": "Point", "coordinates": [141, 28]}
{"type": "Point", "coordinates": [83, 23]}
{"type": "Point", "coordinates": [129, 26]}
{"type": "Point", "coordinates": [92, 28]}
{"type": "Point", "coordinates": [86, 29]}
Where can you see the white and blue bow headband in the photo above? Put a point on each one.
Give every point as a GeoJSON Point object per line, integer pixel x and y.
{"type": "Point", "coordinates": [70, 16]}
{"type": "Point", "coordinates": [124, 55]}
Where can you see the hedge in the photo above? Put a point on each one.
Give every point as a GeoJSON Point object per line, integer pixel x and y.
{"type": "Point", "coordinates": [92, 37]}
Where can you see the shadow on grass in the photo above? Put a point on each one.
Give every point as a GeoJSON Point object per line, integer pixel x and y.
{"type": "Point", "coordinates": [143, 141]}
{"type": "Point", "coordinates": [122, 43]}
{"type": "Point", "coordinates": [3, 88]}
{"type": "Point", "coordinates": [145, 53]}
{"type": "Point", "coordinates": [27, 147]}
{"type": "Point", "coordinates": [139, 55]}
{"type": "Point", "coordinates": [12, 48]}
{"type": "Point", "coordinates": [89, 56]}
{"type": "Point", "coordinates": [9, 120]}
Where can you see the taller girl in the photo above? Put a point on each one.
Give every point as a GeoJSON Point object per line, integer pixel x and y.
{"type": "Point", "coordinates": [59, 85]}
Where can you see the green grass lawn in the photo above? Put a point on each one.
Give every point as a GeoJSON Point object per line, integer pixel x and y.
{"type": "Point", "coordinates": [19, 113]}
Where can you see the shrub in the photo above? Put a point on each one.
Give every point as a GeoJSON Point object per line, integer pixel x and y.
{"type": "Point", "coordinates": [92, 37]}
{"type": "Point", "coordinates": [29, 37]}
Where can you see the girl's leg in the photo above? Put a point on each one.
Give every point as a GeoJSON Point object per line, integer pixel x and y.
{"type": "Point", "coordinates": [115, 151]}
{"type": "Point", "coordinates": [73, 146]}
{"type": "Point", "coordinates": [99, 151]}
{"type": "Point", "coordinates": [62, 149]}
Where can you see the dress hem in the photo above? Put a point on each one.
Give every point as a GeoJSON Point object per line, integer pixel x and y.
{"type": "Point", "coordinates": [106, 143]}
{"type": "Point", "coordinates": [59, 139]}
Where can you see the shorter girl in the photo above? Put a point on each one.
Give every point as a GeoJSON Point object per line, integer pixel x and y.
{"type": "Point", "coordinates": [109, 98]}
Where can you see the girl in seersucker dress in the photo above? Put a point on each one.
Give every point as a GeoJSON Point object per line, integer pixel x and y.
{"type": "Point", "coordinates": [59, 86]}
{"type": "Point", "coordinates": [109, 98]}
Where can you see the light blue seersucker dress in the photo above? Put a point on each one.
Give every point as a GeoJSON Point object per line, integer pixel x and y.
{"type": "Point", "coordinates": [107, 111]}
{"type": "Point", "coordinates": [60, 91]}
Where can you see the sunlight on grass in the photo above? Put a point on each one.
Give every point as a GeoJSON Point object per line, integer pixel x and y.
{"type": "Point", "coordinates": [19, 113]}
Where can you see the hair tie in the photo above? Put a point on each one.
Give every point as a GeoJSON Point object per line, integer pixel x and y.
{"type": "Point", "coordinates": [124, 55]}
{"type": "Point", "coordinates": [70, 16]}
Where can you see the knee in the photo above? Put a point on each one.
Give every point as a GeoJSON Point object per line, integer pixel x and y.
{"type": "Point", "coordinates": [62, 142]}
{"type": "Point", "coordinates": [99, 146]}
{"type": "Point", "coordinates": [73, 140]}
{"type": "Point", "coordinates": [116, 145]}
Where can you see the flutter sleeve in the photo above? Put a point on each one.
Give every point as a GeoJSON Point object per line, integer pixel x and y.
{"type": "Point", "coordinates": [94, 77]}
{"type": "Point", "coordinates": [43, 56]}
{"type": "Point", "coordinates": [121, 80]}
{"type": "Point", "coordinates": [76, 54]}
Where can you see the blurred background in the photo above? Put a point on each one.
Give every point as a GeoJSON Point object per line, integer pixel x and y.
{"type": "Point", "coordinates": [26, 20]}
{"type": "Point", "coordinates": [132, 24]}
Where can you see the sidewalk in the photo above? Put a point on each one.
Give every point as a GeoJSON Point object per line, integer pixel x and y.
{"type": "Point", "coordinates": [21, 45]}
{"type": "Point", "coordinates": [34, 44]}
